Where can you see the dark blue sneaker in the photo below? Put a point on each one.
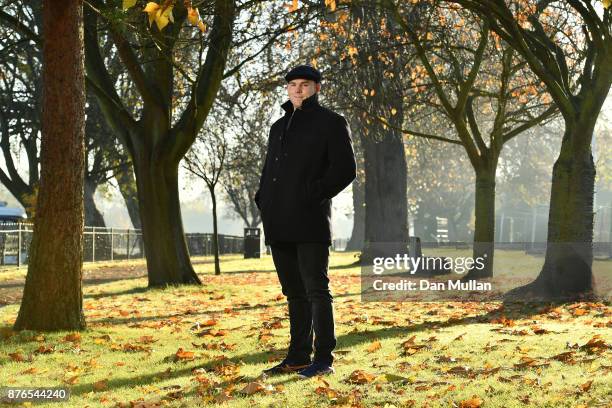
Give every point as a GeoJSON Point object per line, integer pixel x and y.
{"type": "Point", "coordinates": [286, 366]}
{"type": "Point", "coordinates": [315, 369]}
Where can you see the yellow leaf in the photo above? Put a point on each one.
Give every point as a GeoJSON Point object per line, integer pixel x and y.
{"type": "Point", "coordinates": [168, 13]}
{"type": "Point", "coordinates": [163, 17]}
{"type": "Point", "coordinates": [393, 111]}
{"type": "Point", "coordinates": [201, 26]}
{"type": "Point", "coordinates": [193, 15]}
{"type": "Point", "coordinates": [161, 20]}
{"type": "Point", "coordinates": [294, 6]}
{"type": "Point", "coordinates": [606, 3]}
{"type": "Point", "coordinates": [151, 7]}
{"type": "Point", "coordinates": [127, 4]}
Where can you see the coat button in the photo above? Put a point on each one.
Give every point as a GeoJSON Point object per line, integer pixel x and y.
{"type": "Point", "coordinates": [276, 158]}
{"type": "Point", "coordinates": [274, 179]}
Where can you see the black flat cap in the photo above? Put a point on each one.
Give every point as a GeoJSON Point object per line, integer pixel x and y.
{"type": "Point", "coordinates": [304, 72]}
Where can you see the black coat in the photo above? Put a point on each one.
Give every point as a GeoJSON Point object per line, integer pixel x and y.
{"type": "Point", "coordinates": [309, 160]}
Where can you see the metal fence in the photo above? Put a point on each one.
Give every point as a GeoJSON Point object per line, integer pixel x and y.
{"type": "Point", "coordinates": [106, 244]}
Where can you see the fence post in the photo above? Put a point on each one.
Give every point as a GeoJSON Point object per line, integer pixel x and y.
{"type": "Point", "coordinates": [93, 244]}
{"type": "Point", "coordinates": [18, 244]}
{"type": "Point", "coordinates": [112, 244]}
{"type": "Point", "coordinates": [128, 244]}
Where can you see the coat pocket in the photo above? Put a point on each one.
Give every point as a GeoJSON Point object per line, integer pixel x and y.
{"type": "Point", "coordinates": [312, 196]}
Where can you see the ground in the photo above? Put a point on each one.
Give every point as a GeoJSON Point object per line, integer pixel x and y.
{"type": "Point", "coordinates": [198, 346]}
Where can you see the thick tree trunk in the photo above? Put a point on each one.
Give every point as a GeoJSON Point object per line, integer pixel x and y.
{"type": "Point", "coordinates": [93, 216]}
{"type": "Point", "coordinates": [567, 272]}
{"type": "Point", "coordinates": [215, 232]}
{"type": "Point", "coordinates": [484, 226]}
{"type": "Point", "coordinates": [386, 206]}
{"type": "Point", "coordinates": [53, 297]}
{"type": "Point", "coordinates": [358, 234]}
{"type": "Point", "coordinates": [162, 225]}
{"type": "Point", "coordinates": [127, 188]}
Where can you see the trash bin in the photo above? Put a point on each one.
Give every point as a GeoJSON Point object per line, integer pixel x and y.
{"type": "Point", "coordinates": [252, 242]}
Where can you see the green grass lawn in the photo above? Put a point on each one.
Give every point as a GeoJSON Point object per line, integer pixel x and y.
{"type": "Point", "coordinates": [199, 346]}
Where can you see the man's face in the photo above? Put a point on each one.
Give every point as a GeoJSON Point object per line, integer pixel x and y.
{"type": "Point", "coordinates": [300, 89]}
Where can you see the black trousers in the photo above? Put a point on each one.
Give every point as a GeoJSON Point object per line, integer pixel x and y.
{"type": "Point", "coordinates": [302, 272]}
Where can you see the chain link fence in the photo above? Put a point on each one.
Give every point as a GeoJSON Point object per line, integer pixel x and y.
{"type": "Point", "coordinates": [107, 244]}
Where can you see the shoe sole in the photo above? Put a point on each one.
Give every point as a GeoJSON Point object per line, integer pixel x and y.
{"type": "Point", "coordinates": [286, 370]}
{"type": "Point", "coordinates": [318, 374]}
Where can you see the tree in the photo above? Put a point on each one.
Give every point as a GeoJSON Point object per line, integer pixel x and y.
{"type": "Point", "coordinates": [207, 163]}
{"type": "Point", "coordinates": [20, 98]}
{"type": "Point", "coordinates": [158, 140]}
{"type": "Point", "coordinates": [357, 239]}
{"type": "Point", "coordinates": [465, 90]}
{"type": "Point", "coordinates": [367, 80]}
{"type": "Point", "coordinates": [52, 297]}
{"type": "Point", "coordinates": [527, 27]}
{"type": "Point", "coordinates": [248, 116]}
{"type": "Point", "coordinates": [176, 84]}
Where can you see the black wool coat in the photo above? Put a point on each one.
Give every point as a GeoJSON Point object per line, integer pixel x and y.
{"type": "Point", "coordinates": [309, 160]}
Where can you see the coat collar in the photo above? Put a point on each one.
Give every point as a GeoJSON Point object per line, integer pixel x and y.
{"type": "Point", "coordinates": [308, 104]}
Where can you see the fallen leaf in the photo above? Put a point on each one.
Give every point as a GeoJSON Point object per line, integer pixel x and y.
{"type": "Point", "coordinates": [182, 355]}
{"type": "Point", "coordinates": [586, 386]}
{"type": "Point", "coordinates": [360, 377]}
{"type": "Point", "coordinates": [374, 346]}
{"type": "Point", "coordinates": [100, 385]}
{"type": "Point", "coordinates": [73, 337]}
{"type": "Point", "coordinates": [474, 402]}
{"type": "Point", "coordinates": [17, 357]}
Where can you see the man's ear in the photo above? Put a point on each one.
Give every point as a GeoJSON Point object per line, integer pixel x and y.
{"type": "Point", "coordinates": [318, 87]}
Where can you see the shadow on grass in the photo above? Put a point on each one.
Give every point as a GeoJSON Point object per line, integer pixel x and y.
{"type": "Point", "coordinates": [238, 271]}
{"type": "Point", "coordinates": [142, 289]}
{"type": "Point", "coordinates": [128, 320]}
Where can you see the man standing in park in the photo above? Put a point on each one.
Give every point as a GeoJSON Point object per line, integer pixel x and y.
{"type": "Point", "coordinates": [309, 160]}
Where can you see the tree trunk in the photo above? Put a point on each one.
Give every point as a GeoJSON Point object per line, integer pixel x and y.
{"type": "Point", "coordinates": [358, 234]}
{"type": "Point", "coordinates": [386, 206]}
{"type": "Point", "coordinates": [93, 216]}
{"type": "Point", "coordinates": [215, 232]}
{"type": "Point", "coordinates": [162, 226]}
{"type": "Point", "coordinates": [53, 297]}
{"type": "Point", "coordinates": [484, 226]}
{"type": "Point", "coordinates": [127, 188]}
{"type": "Point", "coordinates": [567, 266]}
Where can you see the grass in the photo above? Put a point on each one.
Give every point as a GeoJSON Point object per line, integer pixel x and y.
{"type": "Point", "coordinates": [199, 346]}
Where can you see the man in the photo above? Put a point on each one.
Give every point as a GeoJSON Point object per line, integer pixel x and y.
{"type": "Point", "coordinates": [309, 160]}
